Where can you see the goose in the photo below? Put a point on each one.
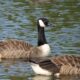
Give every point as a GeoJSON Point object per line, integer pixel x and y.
{"type": "Point", "coordinates": [13, 48]}
{"type": "Point", "coordinates": [56, 65]}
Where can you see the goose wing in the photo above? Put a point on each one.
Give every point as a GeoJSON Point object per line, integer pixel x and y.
{"type": "Point", "coordinates": [49, 65]}
{"type": "Point", "coordinates": [67, 60]}
{"type": "Point", "coordinates": [14, 48]}
{"type": "Point", "coordinates": [70, 65]}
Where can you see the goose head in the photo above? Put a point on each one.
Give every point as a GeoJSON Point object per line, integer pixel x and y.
{"type": "Point", "coordinates": [43, 22]}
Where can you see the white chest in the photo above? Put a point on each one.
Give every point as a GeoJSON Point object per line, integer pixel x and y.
{"type": "Point", "coordinates": [45, 49]}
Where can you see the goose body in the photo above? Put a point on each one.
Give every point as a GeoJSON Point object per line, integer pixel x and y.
{"type": "Point", "coordinates": [19, 49]}
{"type": "Point", "coordinates": [57, 65]}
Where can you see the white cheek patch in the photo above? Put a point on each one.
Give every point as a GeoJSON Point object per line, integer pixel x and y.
{"type": "Point", "coordinates": [41, 23]}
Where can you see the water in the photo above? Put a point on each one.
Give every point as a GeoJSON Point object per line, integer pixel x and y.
{"type": "Point", "coordinates": [18, 20]}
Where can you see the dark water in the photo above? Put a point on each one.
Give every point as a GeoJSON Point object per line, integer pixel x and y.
{"type": "Point", "coordinates": [18, 20]}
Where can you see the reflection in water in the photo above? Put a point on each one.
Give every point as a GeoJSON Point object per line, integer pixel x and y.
{"type": "Point", "coordinates": [69, 78]}
{"type": "Point", "coordinates": [39, 77]}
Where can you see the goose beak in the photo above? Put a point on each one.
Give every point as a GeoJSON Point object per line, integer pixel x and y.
{"type": "Point", "coordinates": [50, 25]}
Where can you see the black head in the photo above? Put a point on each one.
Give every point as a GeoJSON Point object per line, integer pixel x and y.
{"type": "Point", "coordinates": [43, 22]}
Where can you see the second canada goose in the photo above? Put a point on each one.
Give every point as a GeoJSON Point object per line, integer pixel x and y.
{"type": "Point", "coordinates": [20, 49]}
{"type": "Point", "coordinates": [57, 65]}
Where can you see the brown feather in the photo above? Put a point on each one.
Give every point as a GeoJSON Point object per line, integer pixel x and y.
{"type": "Point", "coordinates": [69, 64]}
{"type": "Point", "coordinates": [67, 60]}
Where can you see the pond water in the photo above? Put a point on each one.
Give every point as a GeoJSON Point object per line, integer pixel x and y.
{"type": "Point", "coordinates": [18, 20]}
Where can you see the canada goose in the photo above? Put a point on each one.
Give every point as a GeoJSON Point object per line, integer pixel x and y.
{"type": "Point", "coordinates": [19, 49]}
{"type": "Point", "coordinates": [57, 65]}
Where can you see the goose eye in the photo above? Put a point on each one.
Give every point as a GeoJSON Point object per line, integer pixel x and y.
{"type": "Point", "coordinates": [45, 22]}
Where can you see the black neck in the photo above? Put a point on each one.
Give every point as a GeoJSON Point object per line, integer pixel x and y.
{"type": "Point", "coordinates": [41, 36]}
